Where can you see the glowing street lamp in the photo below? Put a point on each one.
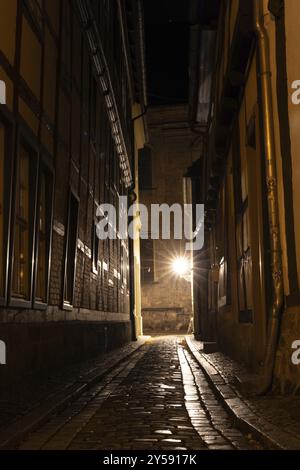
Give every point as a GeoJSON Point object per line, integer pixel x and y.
{"type": "Point", "coordinates": [181, 266]}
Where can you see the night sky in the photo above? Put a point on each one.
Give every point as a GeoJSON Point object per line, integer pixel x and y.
{"type": "Point", "coordinates": [167, 45]}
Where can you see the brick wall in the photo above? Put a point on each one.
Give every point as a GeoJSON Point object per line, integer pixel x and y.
{"type": "Point", "coordinates": [66, 120]}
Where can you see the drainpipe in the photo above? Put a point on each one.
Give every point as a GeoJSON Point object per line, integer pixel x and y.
{"type": "Point", "coordinates": [132, 286]}
{"type": "Point", "coordinates": [273, 209]}
{"type": "Point", "coordinates": [132, 198]}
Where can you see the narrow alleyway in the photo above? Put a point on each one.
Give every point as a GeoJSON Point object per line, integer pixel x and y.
{"type": "Point", "coordinates": [157, 399]}
{"type": "Point", "coordinates": [149, 226]}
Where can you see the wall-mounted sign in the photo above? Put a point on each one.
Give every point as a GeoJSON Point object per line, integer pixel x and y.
{"type": "Point", "coordinates": [2, 353]}
{"type": "Point", "coordinates": [2, 92]}
{"type": "Point", "coordinates": [296, 93]}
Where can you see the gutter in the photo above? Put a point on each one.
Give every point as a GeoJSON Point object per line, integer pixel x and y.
{"type": "Point", "coordinates": [142, 51]}
{"type": "Point", "coordinates": [266, 374]}
{"type": "Point", "coordinates": [103, 74]}
{"type": "Point", "coordinates": [133, 198]}
{"type": "Point", "coordinates": [125, 47]}
{"type": "Point", "coordinates": [143, 67]}
{"type": "Point", "coordinates": [139, 55]}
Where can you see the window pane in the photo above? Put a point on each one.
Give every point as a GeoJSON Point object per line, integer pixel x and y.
{"type": "Point", "coordinates": [147, 261]}
{"type": "Point", "coordinates": [42, 247]}
{"type": "Point", "coordinates": [35, 8]}
{"type": "Point", "coordinates": [95, 249]}
{"type": "Point", "coordinates": [2, 248]}
{"type": "Point", "coordinates": [71, 250]}
{"type": "Point", "coordinates": [21, 263]}
{"type": "Point", "coordinates": [145, 168]}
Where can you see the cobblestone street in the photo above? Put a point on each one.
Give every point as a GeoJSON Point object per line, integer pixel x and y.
{"type": "Point", "coordinates": [157, 399]}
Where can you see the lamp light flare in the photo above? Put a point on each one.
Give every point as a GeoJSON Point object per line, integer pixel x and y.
{"type": "Point", "coordinates": [180, 266]}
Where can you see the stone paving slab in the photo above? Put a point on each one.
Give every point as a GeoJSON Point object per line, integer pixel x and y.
{"type": "Point", "coordinates": [39, 400]}
{"type": "Point", "coordinates": [274, 420]}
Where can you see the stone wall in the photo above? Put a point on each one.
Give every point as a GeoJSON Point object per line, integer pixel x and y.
{"type": "Point", "coordinates": [63, 121]}
{"type": "Point", "coordinates": [173, 150]}
{"type": "Point", "coordinates": [165, 321]}
{"type": "Point", "coordinates": [38, 348]}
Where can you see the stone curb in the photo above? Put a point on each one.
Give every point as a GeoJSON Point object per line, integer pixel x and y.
{"type": "Point", "coordinates": [17, 431]}
{"type": "Point", "coordinates": [245, 419]}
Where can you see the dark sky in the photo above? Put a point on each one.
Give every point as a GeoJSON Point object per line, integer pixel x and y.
{"type": "Point", "coordinates": [167, 44]}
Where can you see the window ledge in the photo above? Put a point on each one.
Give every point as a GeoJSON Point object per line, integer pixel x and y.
{"type": "Point", "coordinates": [19, 303]}
{"type": "Point", "coordinates": [67, 306]}
{"type": "Point", "coordinates": [39, 305]}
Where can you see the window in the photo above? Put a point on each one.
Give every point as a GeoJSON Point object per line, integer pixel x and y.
{"type": "Point", "coordinates": [147, 261]}
{"type": "Point", "coordinates": [35, 9]}
{"type": "Point", "coordinates": [66, 48]}
{"type": "Point", "coordinates": [2, 194]}
{"type": "Point", "coordinates": [223, 249]}
{"type": "Point", "coordinates": [71, 249]}
{"type": "Point", "coordinates": [124, 264]}
{"type": "Point", "coordinates": [244, 252]}
{"type": "Point", "coordinates": [106, 5]}
{"type": "Point", "coordinates": [44, 221]}
{"type": "Point", "coordinates": [6, 152]}
{"type": "Point", "coordinates": [145, 168]}
{"type": "Point", "coordinates": [24, 221]}
{"type": "Point", "coordinates": [95, 249]}
{"type": "Point", "coordinates": [93, 109]}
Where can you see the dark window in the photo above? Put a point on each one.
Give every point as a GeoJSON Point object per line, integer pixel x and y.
{"type": "Point", "coordinates": [66, 44]}
{"type": "Point", "coordinates": [145, 168]}
{"type": "Point", "coordinates": [223, 249]}
{"type": "Point", "coordinates": [2, 194]}
{"type": "Point", "coordinates": [71, 249]}
{"type": "Point", "coordinates": [95, 249]}
{"type": "Point", "coordinates": [244, 255]}
{"type": "Point", "coordinates": [147, 261]}
{"type": "Point", "coordinates": [251, 133]}
{"type": "Point", "coordinates": [25, 195]}
{"type": "Point", "coordinates": [44, 221]}
{"type": "Point", "coordinates": [93, 109]}
{"type": "Point", "coordinates": [124, 264]}
{"type": "Point", "coordinates": [5, 163]}
{"type": "Point", "coordinates": [35, 10]}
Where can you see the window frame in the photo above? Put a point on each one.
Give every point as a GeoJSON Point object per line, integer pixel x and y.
{"type": "Point", "coordinates": [45, 164]}
{"type": "Point", "coordinates": [146, 260]}
{"type": "Point", "coordinates": [24, 136]}
{"type": "Point", "coordinates": [10, 132]}
{"type": "Point", "coordinates": [95, 249]}
{"type": "Point", "coordinates": [30, 12]}
{"type": "Point", "coordinates": [145, 163]}
{"type": "Point", "coordinates": [66, 305]}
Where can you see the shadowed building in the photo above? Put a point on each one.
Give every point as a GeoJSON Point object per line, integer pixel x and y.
{"type": "Point", "coordinates": [166, 281]}
{"type": "Point", "coordinates": [247, 277]}
{"type": "Point", "coordinates": [75, 77]}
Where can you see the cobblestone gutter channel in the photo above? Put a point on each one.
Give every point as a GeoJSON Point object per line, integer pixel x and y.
{"type": "Point", "coordinates": [272, 420]}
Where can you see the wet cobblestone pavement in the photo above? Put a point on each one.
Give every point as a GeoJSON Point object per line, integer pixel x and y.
{"type": "Point", "coordinates": [275, 417]}
{"type": "Point", "coordinates": [157, 399]}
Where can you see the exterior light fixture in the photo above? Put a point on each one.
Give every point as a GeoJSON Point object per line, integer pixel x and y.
{"type": "Point", "coordinates": [181, 266]}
